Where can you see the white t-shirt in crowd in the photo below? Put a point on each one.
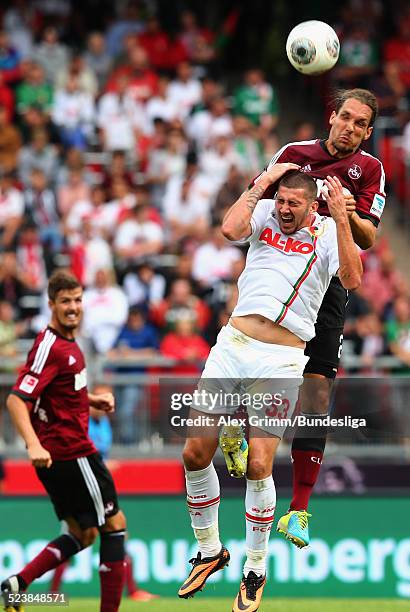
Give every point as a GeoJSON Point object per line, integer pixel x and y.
{"type": "Point", "coordinates": [131, 231]}
{"type": "Point", "coordinates": [287, 276]}
{"type": "Point", "coordinates": [185, 95]}
{"type": "Point", "coordinates": [211, 264]}
{"type": "Point", "coordinates": [105, 312]}
{"type": "Point", "coordinates": [196, 206]}
{"type": "Point", "coordinates": [11, 205]}
{"type": "Point", "coordinates": [119, 118]}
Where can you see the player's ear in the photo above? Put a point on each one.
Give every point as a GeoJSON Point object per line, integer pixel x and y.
{"type": "Point", "coordinates": [368, 133]}
{"type": "Point", "coordinates": [314, 206]}
{"type": "Point", "coordinates": [332, 118]}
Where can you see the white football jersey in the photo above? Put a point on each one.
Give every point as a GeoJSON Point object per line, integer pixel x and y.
{"type": "Point", "coordinates": [287, 276]}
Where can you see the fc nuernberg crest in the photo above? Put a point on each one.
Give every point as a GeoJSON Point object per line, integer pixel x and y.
{"type": "Point", "coordinates": [355, 172]}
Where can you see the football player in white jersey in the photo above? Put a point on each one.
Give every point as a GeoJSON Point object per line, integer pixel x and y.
{"type": "Point", "coordinates": [292, 257]}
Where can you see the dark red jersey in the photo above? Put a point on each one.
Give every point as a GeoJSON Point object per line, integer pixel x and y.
{"type": "Point", "coordinates": [54, 381]}
{"type": "Point", "coordinates": [360, 173]}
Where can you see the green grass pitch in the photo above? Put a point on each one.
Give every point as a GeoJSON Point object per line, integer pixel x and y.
{"type": "Point", "coordinates": [268, 605]}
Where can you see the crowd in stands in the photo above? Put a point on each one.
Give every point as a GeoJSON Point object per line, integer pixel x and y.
{"type": "Point", "coordinates": [119, 158]}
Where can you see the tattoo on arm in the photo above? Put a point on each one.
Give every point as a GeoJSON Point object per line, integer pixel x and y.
{"type": "Point", "coordinates": [254, 196]}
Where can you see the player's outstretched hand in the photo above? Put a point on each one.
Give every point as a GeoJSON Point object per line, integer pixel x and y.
{"type": "Point", "coordinates": [103, 401]}
{"type": "Point", "coordinates": [276, 171]}
{"type": "Point", "coordinates": [335, 198]}
{"type": "Point", "coordinates": [39, 456]}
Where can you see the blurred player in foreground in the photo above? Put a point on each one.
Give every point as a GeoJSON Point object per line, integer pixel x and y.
{"type": "Point", "coordinates": [363, 180]}
{"type": "Point", "coordinates": [293, 255]}
{"type": "Point", "coordinates": [49, 406]}
{"type": "Point", "coordinates": [100, 432]}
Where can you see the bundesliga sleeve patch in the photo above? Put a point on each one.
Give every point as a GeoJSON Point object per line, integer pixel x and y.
{"type": "Point", "coordinates": [28, 384]}
{"type": "Point", "coordinates": [378, 205]}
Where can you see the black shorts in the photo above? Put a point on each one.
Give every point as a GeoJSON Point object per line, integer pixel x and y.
{"type": "Point", "coordinates": [325, 348]}
{"type": "Point", "coordinates": [81, 488]}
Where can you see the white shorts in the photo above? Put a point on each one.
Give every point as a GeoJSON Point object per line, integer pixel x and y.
{"type": "Point", "coordinates": [261, 377]}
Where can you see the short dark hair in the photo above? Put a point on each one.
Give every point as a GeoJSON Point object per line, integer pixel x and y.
{"type": "Point", "coordinates": [362, 95]}
{"type": "Point", "coordinates": [300, 180]}
{"type": "Point", "coordinates": [61, 280]}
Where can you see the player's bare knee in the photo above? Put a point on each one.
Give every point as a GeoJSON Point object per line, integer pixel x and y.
{"type": "Point", "coordinates": [258, 468]}
{"type": "Point", "coordinates": [118, 522]}
{"type": "Point", "coordinates": [195, 457]}
{"type": "Point", "coordinates": [87, 536]}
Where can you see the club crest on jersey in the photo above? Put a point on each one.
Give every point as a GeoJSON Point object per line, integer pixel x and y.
{"type": "Point", "coordinates": [286, 245]}
{"type": "Point", "coordinates": [355, 172]}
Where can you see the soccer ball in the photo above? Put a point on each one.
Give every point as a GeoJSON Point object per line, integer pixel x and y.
{"type": "Point", "coordinates": [312, 47]}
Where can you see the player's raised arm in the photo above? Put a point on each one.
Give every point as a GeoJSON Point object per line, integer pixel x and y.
{"type": "Point", "coordinates": [350, 265]}
{"type": "Point", "coordinates": [236, 224]}
{"type": "Point", "coordinates": [19, 413]}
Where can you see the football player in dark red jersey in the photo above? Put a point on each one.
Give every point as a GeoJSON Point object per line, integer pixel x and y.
{"type": "Point", "coordinates": [363, 180]}
{"type": "Point", "coordinates": [49, 406]}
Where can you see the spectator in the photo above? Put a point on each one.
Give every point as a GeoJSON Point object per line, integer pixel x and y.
{"type": "Point", "coordinates": [9, 331]}
{"type": "Point", "coordinates": [35, 118]}
{"type": "Point", "coordinates": [137, 341]}
{"type": "Point", "coordinates": [6, 98]}
{"type": "Point", "coordinates": [185, 91]}
{"type": "Point", "coordinates": [11, 210]}
{"type": "Point", "coordinates": [128, 25]}
{"type": "Point", "coordinates": [92, 211]}
{"type": "Point", "coordinates": [214, 259]}
{"type": "Point", "coordinates": [51, 54]}
{"type": "Point", "coordinates": [120, 118]}
{"type": "Point", "coordinates": [216, 161]}
{"type": "Point", "coordinates": [209, 122]}
{"type": "Point", "coordinates": [156, 43]}
{"type": "Point", "coordinates": [190, 32]}
{"type": "Point", "coordinates": [89, 252]}
{"type": "Point", "coordinates": [34, 90]}
{"type": "Point", "coordinates": [78, 69]}
{"type": "Point", "coordinates": [143, 81]}
{"type": "Point", "coordinates": [144, 287]}
{"type": "Point", "coordinates": [14, 283]}
{"type": "Point", "coordinates": [166, 162]}
{"type": "Point", "coordinates": [97, 58]}
{"type": "Point", "coordinates": [161, 106]}
{"type": "Point", "coordinates": [379, 284]}
{"type": "Point", "coordinates": [73, 160]}
{"type": "Point", "coordinates": [10, 141]}
{"type": "Point", "coordinates": [41, 208]}
{"type": "Point", "coordinates": [188, 347]}
{"type": "Point", "coordinates": [228, 193]}
{"type": "Point", "coordinates": [137, 237]}
{"type": "Point", "coordinates": [105, 311]}
{"type": "Point", "coordinates": [75, 190]}
{"type": "Point", "coordinates": [181, 303]}
{"type": "Point", "coordinates": [30, 258]}
{"type": "Point", "coordinates": [9, 59]}
{"type": "Point", "coordinates": [358, 57]}
{"type": "Point", "coordinates": [40, 154]}
{"type": "Point", "coordinates": [398, 332]}
{"type": "Point", "coordinates": [73, 113]}
{"type": "Point", "coordinates": [368, 340]}
{"type": "Point", "coordinates": [117, 169]}
{"type": "Point", "coordinates": [187, 204]}
{"type": "Point", "coordinates": [396, 57]}
{"type": "Point", "coordinates": [257, 100]}
{"type": "Point", "coordinates": [19, 23]}
{"type": "Point", "coordinates": [246, 145]}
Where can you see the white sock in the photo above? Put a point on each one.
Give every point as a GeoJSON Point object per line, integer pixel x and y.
{"type": "Point", "coordinates": [260, 503]}
{"type": "Point", "coordinates": [203, 503]}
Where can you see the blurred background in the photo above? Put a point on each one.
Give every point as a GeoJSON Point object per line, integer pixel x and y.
{"type": "Point", "coordinates": [126, 131]}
